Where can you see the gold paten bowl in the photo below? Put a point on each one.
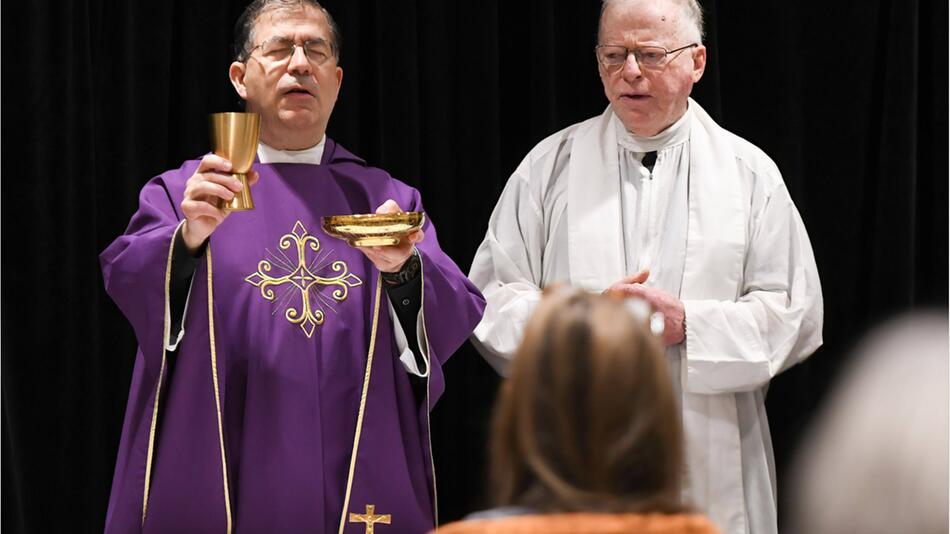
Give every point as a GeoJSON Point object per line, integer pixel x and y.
{"type": "Point", "coordinates": [373, 229]}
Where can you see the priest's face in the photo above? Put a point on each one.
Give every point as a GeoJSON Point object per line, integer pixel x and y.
{"type": "Point", "coordinates": [291, 76]}
{"type": "Point", "coordinates": [648, 99]}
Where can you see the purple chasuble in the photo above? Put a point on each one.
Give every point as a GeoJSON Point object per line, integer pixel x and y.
{"type": "Point", "coordinates": [267, 418]}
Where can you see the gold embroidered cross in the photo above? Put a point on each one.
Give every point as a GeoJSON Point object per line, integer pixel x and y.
{"type": "Point", "coordinates": [301, 275]}
{"type": "Point", "coordinates": [370, 518]}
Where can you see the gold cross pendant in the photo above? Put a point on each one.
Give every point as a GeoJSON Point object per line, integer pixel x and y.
{"type": "Point", "coordinates": [370, 518]}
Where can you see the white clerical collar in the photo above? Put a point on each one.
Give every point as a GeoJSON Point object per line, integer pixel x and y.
{"type": "Point", "coordinates": [677, 133]}
{"type": "Point", "coordinates": [311, 156]}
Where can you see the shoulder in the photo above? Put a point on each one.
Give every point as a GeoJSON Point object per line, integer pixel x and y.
{"type": "Point", "coordinates": [182, 173]}
{"type": "Point", "coordinates": [761, 181]}
{"type": "Point", "coordinates": [754, 160]}
{"type": "Point", "coordinates": [170, 183]}
{"type": "Point", "coordinates": [755, 166]}
{"type": "Point", "coordinates": [541, 168]}
{"type": "Point", "coordinates": [344, 164]}
{"type": "Point", "coordinates": [341, 160]}
{"type": "Point", "coordinates": [559, 140]}
{"type": "Point", "coordinates": [173, 180]}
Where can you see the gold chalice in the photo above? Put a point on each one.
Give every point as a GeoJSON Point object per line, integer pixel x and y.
{"type": "Point", "coordinates": [234, 137]}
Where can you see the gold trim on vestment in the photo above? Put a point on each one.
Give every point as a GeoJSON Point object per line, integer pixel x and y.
{"type": "Point", "coordinates": [365, 393]}
{"type": "Point", "coordinates": [428, 360]}
{"type": "Point", "coordinates": [217, 395]}
{"type": "Point", "coordinates": [166, 332]}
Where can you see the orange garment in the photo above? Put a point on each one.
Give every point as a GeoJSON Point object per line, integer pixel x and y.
{"type": "Point", "coordinates": [586, 523]}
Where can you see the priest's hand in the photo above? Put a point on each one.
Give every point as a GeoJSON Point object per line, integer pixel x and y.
{"type": "Point", "coordinates": [674, 313]}
{"type": "Point", "coordinates": [389, 259]}
{"type": "Point", "coordinates": [211, 184]}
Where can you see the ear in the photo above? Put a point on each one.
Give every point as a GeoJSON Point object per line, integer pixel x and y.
{"type": "Point", "coordinates": [236, 73]}
{"type": "Point", "coordinates": [339, 77]}
{"type": "Point", "coordinates": [699, 62]}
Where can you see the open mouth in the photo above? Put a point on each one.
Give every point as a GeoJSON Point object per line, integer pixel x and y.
{"type": "Point", "coordinates": [298, 91]}
{"type": "Point", "coordinates": [635, 97]}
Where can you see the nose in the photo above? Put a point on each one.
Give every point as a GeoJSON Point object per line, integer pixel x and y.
{"type": "Point", "coordinates": [630, 69]}
{"type": "Point", "coordinates": [299, 63]}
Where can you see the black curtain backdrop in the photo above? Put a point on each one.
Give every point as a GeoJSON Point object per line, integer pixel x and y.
{"type": "Point", "coordinates": [849, 98]}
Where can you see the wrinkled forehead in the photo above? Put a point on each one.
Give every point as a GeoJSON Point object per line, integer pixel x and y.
{"type": "Point", "coordinates": [639, 20]}
{"type": "Point", "coordinates": [288, 21]}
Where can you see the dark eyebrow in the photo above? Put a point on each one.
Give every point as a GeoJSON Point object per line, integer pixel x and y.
{"type": "Point", "coordinates": [285, 38]}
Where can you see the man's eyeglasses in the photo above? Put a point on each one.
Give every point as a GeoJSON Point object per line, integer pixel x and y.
{"type": "Point", "coordinates": [280, 49]}
{"type": "Point", "coordinates": [612, 57]}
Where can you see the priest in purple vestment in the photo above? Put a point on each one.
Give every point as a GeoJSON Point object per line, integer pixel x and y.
{"type": "Point", "coordinates": [284, 379]}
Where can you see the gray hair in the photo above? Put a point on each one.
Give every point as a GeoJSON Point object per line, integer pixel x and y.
{"type": "Point", "coordinates": [691, 24]}
{"type": "Point", "coordinates": [875, 461]}
{"type": "Point", "coordinates": [244, 26]}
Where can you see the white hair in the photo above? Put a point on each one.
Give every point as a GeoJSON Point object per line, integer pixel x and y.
{"type": "Point", "coordinates": [876, 462]}
{"type": "Point", "coordinates": [691, 24]}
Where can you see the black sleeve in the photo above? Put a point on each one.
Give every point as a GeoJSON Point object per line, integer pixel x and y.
{"type": "Point", "coordinates": [183, 270]}
{"type": "Point", "coordinates": [407, 300]}
{"type": "Point", "coordinates": [405, 292]}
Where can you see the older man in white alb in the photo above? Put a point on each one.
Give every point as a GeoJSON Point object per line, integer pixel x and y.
{"type": "Point", "coordinates": [653, 199]}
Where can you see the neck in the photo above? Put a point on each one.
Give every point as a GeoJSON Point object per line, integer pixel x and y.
{"type": "Point", "coordinates": [671, 135]}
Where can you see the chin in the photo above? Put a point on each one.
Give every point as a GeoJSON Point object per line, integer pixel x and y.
{"type": "Point", "coordinates": [298, 118]}
{"type": "Point", "coordinates": [634, 121]}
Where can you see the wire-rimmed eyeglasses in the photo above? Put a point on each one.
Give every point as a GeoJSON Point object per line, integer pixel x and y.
{"type": "Point", "coordinates": [280, 49]}
{"type": "Point", "coordinates": [613, 57]}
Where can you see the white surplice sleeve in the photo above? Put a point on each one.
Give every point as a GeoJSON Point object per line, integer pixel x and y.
{"type": "Point", "coordinates": [507, 269]}
{"type": "Point", "coordinates": [776, 321]}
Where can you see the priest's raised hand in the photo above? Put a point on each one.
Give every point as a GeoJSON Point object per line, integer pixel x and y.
{"type": "Point", "coordinates": [205, 189]}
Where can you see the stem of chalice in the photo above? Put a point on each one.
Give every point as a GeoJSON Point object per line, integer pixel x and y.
{"type": "Point", "coordinates": [242, 201]}
{"type": "Point", "coordinates": [234, 137]}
